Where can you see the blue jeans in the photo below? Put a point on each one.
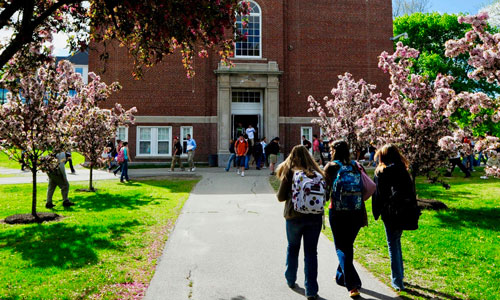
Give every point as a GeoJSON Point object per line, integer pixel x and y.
{"type": "Point", "coordinates": [396, 256]}
{"type": "Point", "coordinates": [247, 158]}
{"type": "Point", "coordinates": [258, 161]}
{"type": "Point", "coordinates": [309, 229]}
{"type": "Point", "coordinates": [344, 235]}
{"type": "Point", "coordinates": [231, 158]}
{"type": "Point", "coordinates": [124, 170]}
{"type": "Point", "coordinates": [470, 159]}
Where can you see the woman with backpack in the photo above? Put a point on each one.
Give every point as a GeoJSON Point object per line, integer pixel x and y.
{"type": "Point", "coordinates": [396, 202]}
{"type": "Point", "coordinates": [347, 212]}
{"type": "Point", "coordinates": [124, 159]}
{"type": "Point", "coordinates": [303, 190]}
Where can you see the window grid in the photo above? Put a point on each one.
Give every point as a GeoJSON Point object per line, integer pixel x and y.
{"type": "Point", "coordinates": [122, 134]}
{"type": "Point", "coordinates": [144, 140]}
{"type": "Point", "coordinates": [154, 141]}
{"type": "Point", "coordinates": [251, 46]}
{"type": "Point", "coordinates": [246, 97]}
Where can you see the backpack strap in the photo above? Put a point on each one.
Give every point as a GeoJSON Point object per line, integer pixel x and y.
{"type": "Point", "coordinates": [338, 163]}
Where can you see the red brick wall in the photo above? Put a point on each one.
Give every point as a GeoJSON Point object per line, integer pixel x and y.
{"type": "Point", "coordinates": [312, 41]}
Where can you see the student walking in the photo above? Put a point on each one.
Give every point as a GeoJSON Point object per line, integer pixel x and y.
{"type": "Point", "coordinates": [264, 156]}
{"type": "Point", "coordinates": [257, 154]}
{"type": "Point", "coordinates": [347, 212]}
{"type": "Point", "coordinates": [303, 213]}
{"type": "Point", "coordinates": [250, 131]}
{"type": "Point", "coordinates": [118, 160]}
{"type": "Point", "coordinates": [190, 147]}
{"type": "Point", "coordinates": [241, 148]}
{"type": "Point", "coordinates": [272, 150]}
{"type": "Point", "coordinates": [232, 157]}
{"type": "Point", "coordinates": [124, 163]}
{"type": "Point", "coordinates": [396, 202]}
{"type": "Point", "coordinates": [176, 156]}
{"type": "Point", "coordinates": [316, 149]}
{"type": "Point", "coordinates": [57, 178]}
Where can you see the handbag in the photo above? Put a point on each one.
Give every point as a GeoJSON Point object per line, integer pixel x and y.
{"type": "Point", "coordinates": [369, 186]}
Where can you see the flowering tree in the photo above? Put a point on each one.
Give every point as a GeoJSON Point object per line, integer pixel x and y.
{"type": "Point", "coordinates": [351, 101]}
{"type": "Point", "coordinates": [33, 123]}
{"type": "Point", "coordinates": [95, 126]}
{"type": "Point", "coordinates": [416, 114]}
{"type": "Point", "coordinates": [483, 48]}
{"type": "Point", "coordinates": [150, 29]}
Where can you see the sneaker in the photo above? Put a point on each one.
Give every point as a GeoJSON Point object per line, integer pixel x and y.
{"type": "Point", "coordinates": [242, 174]}
{"type": "Point", "coordinates": [68, 203]}
{"type": "Point", "coordinates": [227, 170]}
{"type": "Point", "coordinates": [484, 177]}
{"type": "Point", "coordinates": [193, 169]}
{"type": "Point", "coordinates": [354, 293]}
{"type": "Point", "coordinates": [49, 205]}
{"type": "Point", "coordinates": [121, 180]}
{"type": "Point", "coordinates": [73, 173]}
{"type": "Point", "coordinates": [238, 172]}
{"type": "Point", "coordinates": [264, 167]}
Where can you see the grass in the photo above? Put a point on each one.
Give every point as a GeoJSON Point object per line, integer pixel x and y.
{"type": "Point", "coordinates": [105, 247]}
{"type": "Point", "coordinates": [455, 254]}
{"type": "Point", "coordinates": [5, 162]}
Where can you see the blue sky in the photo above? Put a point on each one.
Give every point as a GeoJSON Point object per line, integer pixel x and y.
{"type": "Point", "coordinates": [456, 6]}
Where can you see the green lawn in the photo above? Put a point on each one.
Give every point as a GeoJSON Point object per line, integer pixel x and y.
{"type": "Point", "coordinates": [455, 254]}
{"type": "Point", "coordinates": [5, 162]}
{"type": "Point", "coordinates": [105, 247]}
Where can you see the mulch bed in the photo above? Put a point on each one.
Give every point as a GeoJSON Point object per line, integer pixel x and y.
{"type": "Point", "coordinates": [29, 218]}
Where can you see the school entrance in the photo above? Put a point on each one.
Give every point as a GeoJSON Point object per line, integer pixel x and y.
{"type": "Point", "coordinates": [247, 93]}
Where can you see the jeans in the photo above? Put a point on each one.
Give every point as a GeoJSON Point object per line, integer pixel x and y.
{"type": "Point", "coordinates": [124, 170]}
{"type": "Point", "coordinates": [344, 235]}
{"type": "Point", "coordinates": [247, 159]}
{"type": "Point", "coordinates": [231, 159]}
{"type": "Point", "coordinates": [469, 159]}
{"type": "Point", "coordinates": [258, 161]}
{"type": "Point", "coordinates": [396, 256]}
{"type": "Point", "coordinates": [309, 229]}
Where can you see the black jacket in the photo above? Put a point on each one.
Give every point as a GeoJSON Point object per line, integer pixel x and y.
{"type": "Point", "coordinates": [272, 148]}
{"type": "Point", "coordinates": [395, 199]}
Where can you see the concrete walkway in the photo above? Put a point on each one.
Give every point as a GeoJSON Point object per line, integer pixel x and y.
{"type": "Point", "coordinates": [229, 243]}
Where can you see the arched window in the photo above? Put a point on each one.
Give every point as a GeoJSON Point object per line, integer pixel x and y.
{"type": "Point", "coordinates": [252, 46]}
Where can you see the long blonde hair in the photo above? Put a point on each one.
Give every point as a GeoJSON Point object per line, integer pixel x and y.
{"type": "Point", "coordinates": [389, 154]}
{"type": "Point", "coordinates": [299, 159]}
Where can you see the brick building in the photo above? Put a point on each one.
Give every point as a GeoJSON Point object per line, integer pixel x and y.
{"type": "Point", "coordinates": [295, 48]}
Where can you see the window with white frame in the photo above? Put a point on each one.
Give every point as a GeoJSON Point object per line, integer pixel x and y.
{"type": "Point", "coordinates": [122, 133]}
{"type": "Point", "coordinates": [308, 133]}
{"type": "Point", "coordinates": [185, 130]}
{"type": "Point", "coordinates": [154, 141]}
{"type": "Point", "coordinates": [251, 46]}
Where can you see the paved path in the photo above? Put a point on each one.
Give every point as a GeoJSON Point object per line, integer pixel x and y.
{"type": "Point", "coordinates": [229, 243]}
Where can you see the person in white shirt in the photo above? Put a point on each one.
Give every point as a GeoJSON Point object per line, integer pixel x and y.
{"type": "Point", "coordinates": [251, 134]}
{"type": "Point", "coordinates": [264, 158]}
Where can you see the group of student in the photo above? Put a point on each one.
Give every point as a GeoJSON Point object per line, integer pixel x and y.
{"type": "Point", "coordinates": [305, 188]}
{"type": "Point", "coordinates": [245, 151]}
{"type": "Point", "coordinates": [117, 159]}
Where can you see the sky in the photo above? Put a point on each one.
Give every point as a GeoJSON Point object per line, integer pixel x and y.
{"type": "Point", "coordinates": [457, 6]}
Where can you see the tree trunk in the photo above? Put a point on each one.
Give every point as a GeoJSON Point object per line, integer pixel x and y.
{"type": "Point", "coordinates": [91, 188]}
{"type": "Point", "coordinates": [33, 203]}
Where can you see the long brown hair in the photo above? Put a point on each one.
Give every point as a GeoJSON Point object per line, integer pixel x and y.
{"type": "Point", "coordinates": [299, 159]}
{"type": "Point", "coordinates": [389, 154]}
{"type": "Point", "coordinates": [340, 152]}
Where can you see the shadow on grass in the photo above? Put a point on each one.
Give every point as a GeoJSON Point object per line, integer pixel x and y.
{"type": "Point", "coordinates": [104, 201]}
{"type": "Point", "coordinates": [424, 192]}
{"type": "Point", "coordinates": [176, 185]}
{"type": "Point", "coordinates": [64, 246]}
{"type": "Point", "coordinates": [484, 218]}
{"type": "Point", "coordinates": [422, 292]}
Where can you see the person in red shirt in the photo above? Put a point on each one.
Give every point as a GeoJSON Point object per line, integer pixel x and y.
{"type": "Point", "coordinates": [241, 149]}
{"type": "Point", "coordinates": [316, 149]}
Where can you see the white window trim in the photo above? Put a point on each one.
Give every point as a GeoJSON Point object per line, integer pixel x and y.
{"type": "Point", "coordinates": [126, 133]}
{"type": "Point", "coordinates": [309, 138]}
{"type": "Point", "coordinates": [182, 138]}
{"type": "Point", "coordinates": [154, 142]}
{"type": "Point", "coordinates": [260, 32]}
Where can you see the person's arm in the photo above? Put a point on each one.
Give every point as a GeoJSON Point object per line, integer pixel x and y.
{"type": "Point", "coordinates": [246, 151]}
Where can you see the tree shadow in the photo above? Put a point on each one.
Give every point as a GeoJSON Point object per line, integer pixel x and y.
{"type": "Point", "coordinates": [65, 246]}
{"type": "Point", "coordinates": [172, 184]}
{"type": "Point", "coordinates": [450, 195]}
{"type": "Point", "coordinates": [104, 201]}
{"type": "Point", "coordinates": [418, 291]}
{"type": "Point", "coordinates": [484, 218]}
{"type": "Point", "coordinates": [375, 295]}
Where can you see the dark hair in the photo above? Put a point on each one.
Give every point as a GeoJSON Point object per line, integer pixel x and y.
{"type": "Point", "coordinates": [315, 136]}
{"type": "Point", "coordinates": [125, 143]}
{"type": "Point", "coordinates": [340, 150]}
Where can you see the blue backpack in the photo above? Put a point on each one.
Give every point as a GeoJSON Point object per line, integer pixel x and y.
{"type": "Point", "coordinates": [347, 188]}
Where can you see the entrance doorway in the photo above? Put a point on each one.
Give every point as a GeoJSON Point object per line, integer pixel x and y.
{"type": "Point", "coordinates": [240, 124]}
